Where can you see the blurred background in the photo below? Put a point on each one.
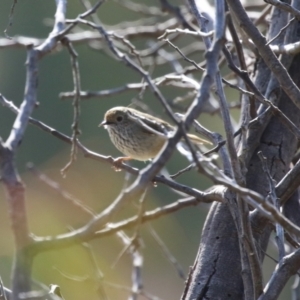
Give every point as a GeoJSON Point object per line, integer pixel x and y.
{"type": "Point", "coordinates": [95, 184]}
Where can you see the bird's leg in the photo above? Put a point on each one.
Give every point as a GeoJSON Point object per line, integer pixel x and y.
{"type": "Point", "coordinates": [118, 162]}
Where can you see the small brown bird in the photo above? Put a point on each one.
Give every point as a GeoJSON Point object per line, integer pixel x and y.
{"type": "Point", "coordinates": [138, 135]}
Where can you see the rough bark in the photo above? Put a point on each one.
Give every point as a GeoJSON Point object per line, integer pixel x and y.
{"type": "Point", "coordinates": [216, 273]}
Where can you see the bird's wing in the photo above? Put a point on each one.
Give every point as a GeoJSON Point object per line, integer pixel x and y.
{"type": "Point", "coordinates": [149, 125]}
{"type": "Point", "coordinates": [152, 125]}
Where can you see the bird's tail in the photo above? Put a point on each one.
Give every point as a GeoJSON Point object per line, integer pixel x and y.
{"type": "Point", "coordinates": [197, 140]}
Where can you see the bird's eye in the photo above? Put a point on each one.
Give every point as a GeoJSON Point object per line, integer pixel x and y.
{"type": "Point", "coordinates": [119, 119]}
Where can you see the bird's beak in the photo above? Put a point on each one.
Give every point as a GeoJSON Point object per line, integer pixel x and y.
{"type": "Point", "coordinates": [103, 123]}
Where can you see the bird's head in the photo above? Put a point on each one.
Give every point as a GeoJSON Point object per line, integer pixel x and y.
{"type": "Point", "coordinates": [117, 116]}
